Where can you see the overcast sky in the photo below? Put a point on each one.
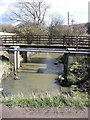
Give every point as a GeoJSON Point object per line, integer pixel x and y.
{"type": "Point", "coordinates": [78, 9]}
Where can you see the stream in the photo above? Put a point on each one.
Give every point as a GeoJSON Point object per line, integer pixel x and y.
{"type": "Point", "coordinates": [37, 75]}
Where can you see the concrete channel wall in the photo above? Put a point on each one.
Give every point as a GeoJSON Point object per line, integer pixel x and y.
{"type": "Point", "coordinates": [4, 71]}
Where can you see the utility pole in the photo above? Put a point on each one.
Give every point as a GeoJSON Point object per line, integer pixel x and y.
{"type": "Point", "coordinates": [68, 17]}
{"type": "Point", "coordinates": [88, 24]}
{"type": "Point", "coordinates": [72, 21]}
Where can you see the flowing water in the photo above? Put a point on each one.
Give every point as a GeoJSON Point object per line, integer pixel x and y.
{"type": "Point", "coordinates": [37, 75]}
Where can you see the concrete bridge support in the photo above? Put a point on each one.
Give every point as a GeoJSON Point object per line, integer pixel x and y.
{"type": "Point", "coordinates": [16, 58]}
{"type": "Point", "coordinates": [24, 55]}
{"type": "Point", "coordinates": [66, 58]}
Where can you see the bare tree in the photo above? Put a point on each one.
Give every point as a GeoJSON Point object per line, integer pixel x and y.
{"type": "Point", "coordinates": [30, 11]}
{"type": "Point", "coordinates": [56, 26]}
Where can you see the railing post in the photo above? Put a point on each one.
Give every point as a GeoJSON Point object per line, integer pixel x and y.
{"type": "Point", "coordinates": [40, 38]}
{"type": "Point", "coordinates": [63, 40]}
{"type": "Point", "coordinates": [37, 38]}
{"type": "Point", "coordinates": [77, 41]}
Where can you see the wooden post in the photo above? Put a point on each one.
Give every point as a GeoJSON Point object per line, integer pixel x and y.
{"type": "Point", "coordinates": [63, 40]}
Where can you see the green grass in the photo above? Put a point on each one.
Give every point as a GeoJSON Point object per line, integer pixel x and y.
{"type": "Point", "coordinates": [79, 100]}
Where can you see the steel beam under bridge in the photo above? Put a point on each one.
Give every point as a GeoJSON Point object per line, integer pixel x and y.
{"type": "Point", "coordinates": [67, 51]}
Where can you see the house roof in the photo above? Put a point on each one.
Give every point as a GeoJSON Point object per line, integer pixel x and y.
{"type": "Point", "coordinates": [5, 33]}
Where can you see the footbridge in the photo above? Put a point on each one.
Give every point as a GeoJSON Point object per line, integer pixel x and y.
{"type": "Point", "coordinates": [45, 43]}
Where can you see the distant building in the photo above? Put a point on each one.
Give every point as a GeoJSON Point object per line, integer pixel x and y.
{"type": "Point", "coordinates": [5, 33]}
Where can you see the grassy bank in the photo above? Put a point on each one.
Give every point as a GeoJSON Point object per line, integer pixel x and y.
{"type": "Point", "coordinates": [78, 99]}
